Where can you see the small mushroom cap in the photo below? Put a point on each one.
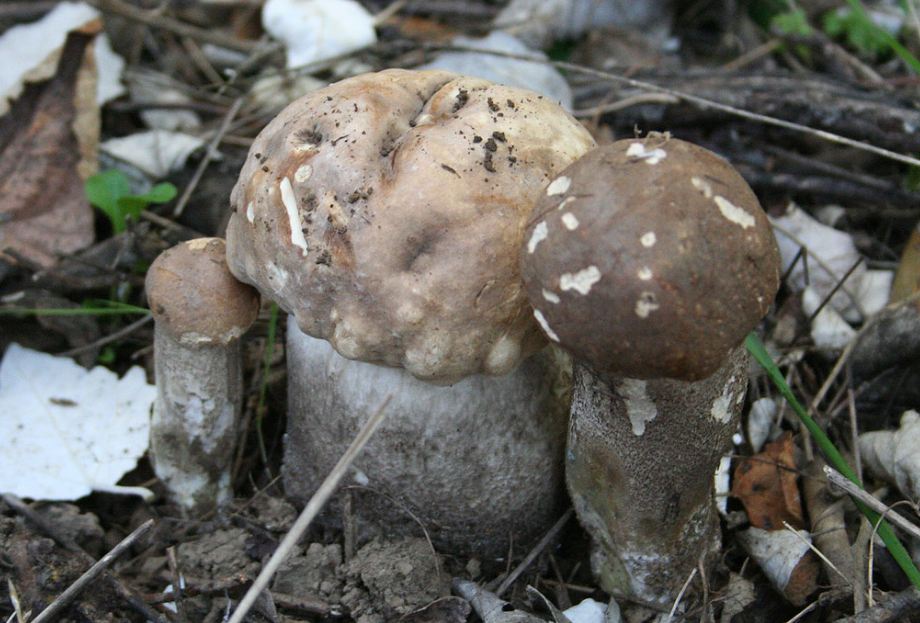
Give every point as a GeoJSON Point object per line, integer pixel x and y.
{"type": "Point", "coordinates": [194, 297]}
{"type": "Point", "coordinates": [385, 212]}
{"type": "Point", "coordinates": [650, 259]}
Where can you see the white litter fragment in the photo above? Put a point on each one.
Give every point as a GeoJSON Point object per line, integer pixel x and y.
{"type": "Point", "coordinates": [66, 430]}
{"type": "Point", "coordinates": [832, 248]}
{"type": "Point", "coordinates": [829, 331]}
{"type": "Point", "coordinates": [541, 22]}
{"type": "Point", "coordinates": [109, 68]}
{"type": "Point", "coordinates": [30, 53]}
{"type": "Point", "coordinates": [317, 30]}
{"type": "Point", "coordinates": [760, 423]}
{"type": "Point", "coordinates": [894, 456]}
{"type": "Point", "coordinates": [155, 152]}
{"type": "Point", "coordinates": [723, 483]}
{"type": "Point", "coordinates": [538, 77]}
{"type": "Point", "coordinates": [875, 290]}
{"type": "Point", "coordinates": [777, 552]}
{"type": "Point", "coordinates": [588, 611]}
{"type": "Point", "coordinates": [150, 90]}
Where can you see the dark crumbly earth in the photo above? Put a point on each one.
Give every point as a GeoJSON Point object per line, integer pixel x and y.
{"type": "Point", "coordinates": [804, 62]}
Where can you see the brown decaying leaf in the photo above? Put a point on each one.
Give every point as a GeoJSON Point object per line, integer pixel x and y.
{"type": "Point", "coordinates": [907, 278]}
{"type": "Point", "coordinates": [766, 485]}
{"type": "Point", "coordinates": [47, 148]}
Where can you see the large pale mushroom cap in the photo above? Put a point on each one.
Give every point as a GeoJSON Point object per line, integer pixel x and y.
{"type": "Point", "coordinates": [385, 212]}
{"type": "Point", "coordinates": [650, 258]}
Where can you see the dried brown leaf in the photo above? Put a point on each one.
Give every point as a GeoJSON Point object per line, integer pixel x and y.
{"type": "Point", "coordinates": [47, 148]}
{"type": "Point", "coordinates": [766, 485]}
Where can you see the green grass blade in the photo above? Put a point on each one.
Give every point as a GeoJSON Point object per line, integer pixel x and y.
{"type": "Point", "coordinates": [903, 53]}
{"type": "Point", "coordinates": [833, 456]}
{"type": "Point", "coordinates": [263, 388]}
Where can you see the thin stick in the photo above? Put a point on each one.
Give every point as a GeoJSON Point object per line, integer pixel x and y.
{"type": "Point", "coordinates": [816, 551]}
{"type": "Point", "coordinates": [208, 156]}
{"type": "Point", "coordinates": [108, 339]}
{"type": "Point", "coordinates": [532, 555]}
{"type": "Point", "coordinates": [680, 596]}
{"type": "Point", "coordinates": [148, 18]}
{"type": "Point", "coordinates": [839, 480]}
{"type": "Point", "coordinates": [64, 599]}
{"type": "Point", "coordinates": [310, 511]}
{"type": "Point", "coordinates": [805, 611]}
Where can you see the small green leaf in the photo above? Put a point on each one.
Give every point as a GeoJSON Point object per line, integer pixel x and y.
{"type": "Point", "coordinates": [791, 23]}
{"type": "Point", "coordinates": [110, 191]}
{"type": "Point", "coordinates": [104, 190]}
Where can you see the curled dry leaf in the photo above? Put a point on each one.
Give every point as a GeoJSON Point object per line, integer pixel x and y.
{"type": "Point", "coordinates": [786, 559]}
{"type": "Point", "coordinates": [48, 142]}
{"type": "Point", "coordinates": [766, 484]}
{"type": "Point", "coordinates": [894, 456]}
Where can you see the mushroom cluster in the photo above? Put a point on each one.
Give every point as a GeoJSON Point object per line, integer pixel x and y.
{"type": "Point", "coordinates": [384, 213]}
{"type": "Point", "coordinates": [650, 261]}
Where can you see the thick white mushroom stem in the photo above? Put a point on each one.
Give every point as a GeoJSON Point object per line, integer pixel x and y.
{"type": "Point", "coordinates": [201, 311]}
{"type": "Point", "coordinates": [640, 460]}
{"type": "Point", "coordinates": [477, 463]}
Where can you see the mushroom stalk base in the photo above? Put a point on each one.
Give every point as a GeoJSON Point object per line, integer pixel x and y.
{"type": "Point", "coordinates": [640, 464]}
{"type": "Point", "coordinates": [195, 420]}
{"type": "Point", "coordinates": [477, 463]}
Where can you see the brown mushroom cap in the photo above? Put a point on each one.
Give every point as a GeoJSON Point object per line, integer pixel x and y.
{"type": "Point", "coordinates": [194, 297]}
{"type": "Point", "coordinates": [385, 212]}
{"type": "Point", "coordinates": [650, 258]}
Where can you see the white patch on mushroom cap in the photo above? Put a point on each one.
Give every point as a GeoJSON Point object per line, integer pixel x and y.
{"type": "Point", "coordinates": [637, 150]}
{"type": "Point", "coordinates": [570, 221]}
{"type": "Point", "coordinates": [303, 173]}
{"type": "Point", "coordinates": [702, 185]}
{"type": "Point", "coordinates": [550, 296]}
{"type": "Point", "coordinates": [736, 215]}
{"type": "Point", "coordinates": [290, 205]}
{"type": "Point", "coordinates": [558, 186]}
{"type": "Point", "coordinates": [538, 235]}
{"type": "Point", "coordinates": [648, 239]}
{"type": "Point", "coordinates": [722, 406]}
{"type": "Point", "coordinates": [581, 281]}
{"type": "Point", "coordinates": [646, 304]}
{"type": "Point", "coordinates": [645, 273]}
{"type": "Point", "coordinates": [639, 407]}
{"type": "Point", "coordinates": [251, 212]}
{"type": "Point", "coordinates": [503, 355]}
{"type": "Point", "coordinates": [545, 325]}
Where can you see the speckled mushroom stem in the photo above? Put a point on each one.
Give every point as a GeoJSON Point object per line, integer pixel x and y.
{"type": "Point", "coordinates": [640, 460]}
{"type": "Point", "coordinates": [201, 311]}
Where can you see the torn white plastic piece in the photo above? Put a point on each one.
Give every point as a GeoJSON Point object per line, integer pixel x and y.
{"type": "Point", "coordinates": [317, 30]}
{"type": "Point", "coordinates": [829, 331]}
{"type": "Point", "coordinates": [80, 433]}
{"type": "Point", "coordinates": [155, 152]}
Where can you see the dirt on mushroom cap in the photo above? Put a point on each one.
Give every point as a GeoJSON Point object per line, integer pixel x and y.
{"type": "Point", "coordinates": [385, 212]}
{"type": "Point", "coordinates": [650, 259]}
